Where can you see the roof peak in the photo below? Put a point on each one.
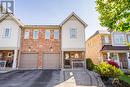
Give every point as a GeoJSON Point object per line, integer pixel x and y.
{"type": "Point", "coordinates": [75, 15]}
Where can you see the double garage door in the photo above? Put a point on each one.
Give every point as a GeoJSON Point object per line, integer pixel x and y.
{"type": "Point", "coordinates": [30, 61]}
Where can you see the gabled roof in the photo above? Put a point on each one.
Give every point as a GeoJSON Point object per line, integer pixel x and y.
{"type": "Point", "coordinates": [103, 32]}
{"type": "Point", "coordinates": [99, 32]}
{"type": "Point", "coordinates": [77, 17]}
{"type": "Point", "coordinates": [3, 17]}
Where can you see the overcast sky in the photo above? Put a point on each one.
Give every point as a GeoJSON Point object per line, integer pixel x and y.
{"type": "Point", "coordinates": [49, 12]}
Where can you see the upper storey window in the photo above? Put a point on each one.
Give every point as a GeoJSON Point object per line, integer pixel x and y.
{"type": "Point", "coordinates": [35, 34]}
{"type": "Point", "coordinates": [56, 34]}
{"type": "Point", "coordinates": [119, 39]}
{"type": "Point", "coordinates": [47, 34]}
{"type": "Point", "coordinates": [7, 32]}
{"type": "Point", "coordinates": [128, 38]}
{"type": "Point", "coordinates": [73, 33]}
{"type": "Point", "coordinates": [106, 39]}
{"type": "Point", "coordinates": [26, 34]}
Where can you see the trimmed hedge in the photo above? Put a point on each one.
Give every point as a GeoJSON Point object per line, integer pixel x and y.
{"type": "Point", "coordinates": [89, 64]}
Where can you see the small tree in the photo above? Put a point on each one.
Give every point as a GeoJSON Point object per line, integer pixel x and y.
{"type": "Point", "coordinates": [114, 14]}
{"type": "Point", "coordinates": [89, 64]}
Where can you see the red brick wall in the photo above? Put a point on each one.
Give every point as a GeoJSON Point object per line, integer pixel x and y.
{"type": "Point", "coordinates": [41, 45]}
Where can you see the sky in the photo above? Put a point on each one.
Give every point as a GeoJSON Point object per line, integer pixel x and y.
{"type": "Point", "coordinates": [47, 12]}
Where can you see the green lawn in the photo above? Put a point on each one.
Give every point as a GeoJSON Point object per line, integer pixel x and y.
{"type": "Point", "coordinates": [125, 78]}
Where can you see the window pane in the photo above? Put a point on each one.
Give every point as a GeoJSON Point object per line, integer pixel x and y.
{"type": "Point", "coordinates": [47, 34]}
{"type": "Point", "coordinates": [73, 33]}
{"type": "Point", "coordinates": [119, 39]}
{"type": "Point", "coordinates": [56, 34]}
{"type": "Point", "coordinates": [35, 34]}
{"type": "Point", "coordinates": [7, 33]}
{"type": "Point", "coordinates": [26, 35]}
{"type": "Point", "coordinates": [106, 39]}
{"type": "Point", "coordinates": [129, 39]}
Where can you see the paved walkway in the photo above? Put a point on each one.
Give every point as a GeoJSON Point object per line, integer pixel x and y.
{"type": "Point", "coordinates": [80, 78]}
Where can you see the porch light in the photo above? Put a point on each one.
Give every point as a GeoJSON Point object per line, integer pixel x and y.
{"type": "Point", "coordinates": [51, 49]}
{"type": "Point", "coordinates": [29, 48]}
{"type": "Point", "coordinates": [40, 46]}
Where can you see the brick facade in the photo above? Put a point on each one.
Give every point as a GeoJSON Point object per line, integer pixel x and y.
{"type": "Point", "coordinates": [41, 45]}
{"type": "Point", "coordinates": [93, 47]}
{"type": "Point", "coordinates": [98, 50]}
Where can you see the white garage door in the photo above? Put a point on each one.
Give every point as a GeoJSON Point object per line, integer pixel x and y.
{"type": "Point", "coordinates": [51, 61]}
{"type": "Point", "coordinates": [28, 61]}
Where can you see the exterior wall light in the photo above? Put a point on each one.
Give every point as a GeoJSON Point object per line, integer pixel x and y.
{"type": "Point", "coordinates": [51, 49]}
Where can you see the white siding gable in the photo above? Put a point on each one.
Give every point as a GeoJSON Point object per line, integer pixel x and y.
{"type": "Point", "coordinates": [79, 41]}
{"type": "Point", "coordinates": [14, 40]}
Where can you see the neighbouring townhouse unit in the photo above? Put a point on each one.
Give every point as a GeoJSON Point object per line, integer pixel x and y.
{"type": "Point", "coordinates": [42, 46]}
{"type": "Point", "coordinates": [104, 45]}
{"type": "Point", "coordinates": [10, 34]}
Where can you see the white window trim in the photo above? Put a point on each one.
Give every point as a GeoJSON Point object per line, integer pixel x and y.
{"type": "Point", "coordinates": [108, 40]}
{"type": "Point", "coordinates": [37, 34]}
{"type": "Point", "coordinates": [46, 35]}
{"type": "Point", "coordinates": [118, 33]}
{"type": "Point", "coordinates": [71, 33]}
{"type": "Point", "coordinates": [26, 37]}
{"type": "Point", "coordinates": [9, 33]}
{"type": "Point", "coordinates": [128, 37]}
{"type": "Point", "coordinates": [56, 35]}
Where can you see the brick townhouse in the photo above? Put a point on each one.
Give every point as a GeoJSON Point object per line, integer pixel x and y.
{"type": "Point", "coordinates": [41, 42]}
{"type": "Point", "coordinates": [42, 46]}
{"type": "Point", "coordinates": [103, 46]}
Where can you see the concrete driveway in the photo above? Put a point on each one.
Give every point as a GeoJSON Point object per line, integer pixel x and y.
{"type": "Point", "coordinates": [50, 78]}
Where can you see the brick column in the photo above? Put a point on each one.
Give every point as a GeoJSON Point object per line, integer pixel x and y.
{"type": "Point", "coordinates": [40, 59]}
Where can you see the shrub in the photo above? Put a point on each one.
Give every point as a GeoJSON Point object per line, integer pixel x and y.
{"type": "Point", "coordinates": [89, 64]}
{"type": "Point", "coordinates": [107, 70]}
{"type": "Point", "coordinates": [113, 63]}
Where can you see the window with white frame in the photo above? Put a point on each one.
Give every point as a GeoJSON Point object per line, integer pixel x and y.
{"type": "Point", "coordinates": [35, 34]}
{"type": "Point", "coordinates": [26, 34]}
{"type": "Point", "coordinates": [73, 33]}
{"type": "Point", "coordinates": [7, 32]}
{"type": "Point", "coordinates": [47, 34]}
{"type": "Point", "coordinates": [119, 39]}
{"type": "Point", "coordinates": [56, 34]}
{"type": "Point", "coordinates": [106, 39]}
{"type": "Point", "coordinates": [128, 38]}
{"type": "Point", "coordinates": [114, 56]}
